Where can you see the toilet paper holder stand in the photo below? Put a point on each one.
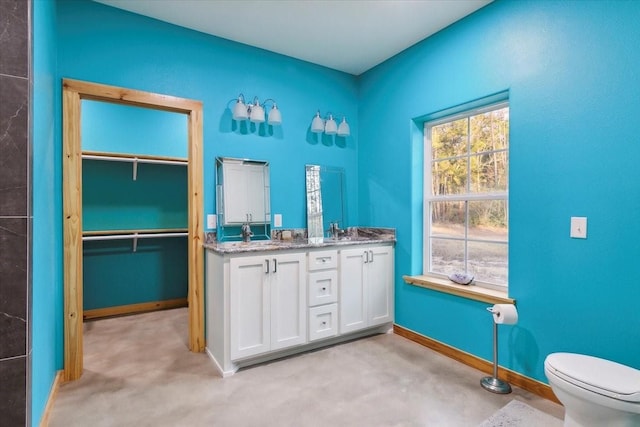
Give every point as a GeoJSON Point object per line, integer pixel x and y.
{"type": "Point", "coordinates": [493, 383]}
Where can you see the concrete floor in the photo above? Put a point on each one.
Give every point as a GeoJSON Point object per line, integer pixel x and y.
{"type": "Point", "coordinates": [138, 372]}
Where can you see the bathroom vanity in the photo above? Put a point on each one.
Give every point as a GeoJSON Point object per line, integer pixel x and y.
{"type": "Point", "coordinates": [268, 299]}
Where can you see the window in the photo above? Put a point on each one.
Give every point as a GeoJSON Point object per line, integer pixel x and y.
{"type": "Point", "coordinates": [467, 195]}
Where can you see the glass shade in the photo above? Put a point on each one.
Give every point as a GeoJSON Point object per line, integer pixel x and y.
{"type": "Point", "coordinates": [275, 118]}
{"type": "Point", "coordinates": [317, 125]}
{"type": "Point", "coordinates": [330, 127]}
{"type": "Point", "coordinates": [257, 112]}
{"type": "Point", "coordinates": [240, 111]}
{"type": "Point", "coordinates": [343, 129]}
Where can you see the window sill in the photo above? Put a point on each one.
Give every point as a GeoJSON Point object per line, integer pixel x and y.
{"type": "Point", "coordinates": [472, 292]}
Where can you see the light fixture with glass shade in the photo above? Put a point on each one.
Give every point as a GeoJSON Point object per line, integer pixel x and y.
{"type": "Point", "coordinates": [343, 128]}
{"type": "Point", "coordinates": [317, 124]}
{"type": "Point", "coordinates": [255, 111]}
{"type": "Point", "coordinates": [330, 126]}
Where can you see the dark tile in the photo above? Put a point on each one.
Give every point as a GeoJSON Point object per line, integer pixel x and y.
{"type": "Point", "coordinates": [13, 286]}
{"type": "Point", "coordinates": [14, 146]}
{"type": "Point", "coordinates": [13, 392]}
{"type": "Point", "coordinates": [14, 37]}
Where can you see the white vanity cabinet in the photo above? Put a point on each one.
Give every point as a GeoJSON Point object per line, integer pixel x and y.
{"type": "Point", "coordinates": [366, 287]}
{"type": "Point", "coordinates": [261, 305]}
{"type": "Point", "coordinates": [267, 303]}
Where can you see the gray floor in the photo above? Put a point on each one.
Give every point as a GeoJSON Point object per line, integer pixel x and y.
{"type": "Point", "coordinates": [138, 372]}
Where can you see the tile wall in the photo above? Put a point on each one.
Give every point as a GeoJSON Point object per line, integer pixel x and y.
{"type": "Point", "coordinates": [15, 212]}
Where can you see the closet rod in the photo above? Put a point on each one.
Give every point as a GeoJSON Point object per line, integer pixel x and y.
{"type": "Point", "coordinates": [134, 160]}
{"type": "Point", "coordinates": [132, 236]}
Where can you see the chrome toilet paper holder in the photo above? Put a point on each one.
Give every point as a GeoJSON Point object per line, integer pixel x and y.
{"type": "Point", "coordinates": [493, 383]}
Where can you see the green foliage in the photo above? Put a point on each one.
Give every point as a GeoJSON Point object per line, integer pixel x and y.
{"type": "Point", "coordinates": [470, 156]}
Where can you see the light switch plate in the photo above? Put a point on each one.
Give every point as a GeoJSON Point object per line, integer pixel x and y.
{"type": "Point", "coordinates": [212, 221]}
{"type": "Point", "coordinates": [579, 227]}
{"type": "Point", "coordinates": [277, 220]}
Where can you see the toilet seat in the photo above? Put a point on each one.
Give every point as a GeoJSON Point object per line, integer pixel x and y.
{"type": "Point", "coordinates": [601, 376]}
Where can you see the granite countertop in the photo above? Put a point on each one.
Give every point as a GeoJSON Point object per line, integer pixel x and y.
{"type": "Point", "coordinates": [353, 236]}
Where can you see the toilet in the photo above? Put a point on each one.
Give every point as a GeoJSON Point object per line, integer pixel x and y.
{"type": "Point", "coordinates": [594, 392]}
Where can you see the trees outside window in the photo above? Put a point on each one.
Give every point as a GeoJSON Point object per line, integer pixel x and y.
{"type": "Point", "coordinates": [467, 195]}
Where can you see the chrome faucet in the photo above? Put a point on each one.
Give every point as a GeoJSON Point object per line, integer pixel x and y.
{"type": "Point", "coordinates": [246, 232]}
{"type": "Point", "coordinates": [334, 230]}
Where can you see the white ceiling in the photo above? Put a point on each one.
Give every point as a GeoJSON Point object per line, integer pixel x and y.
{"type": "Point", "coordinates": [348, 35]}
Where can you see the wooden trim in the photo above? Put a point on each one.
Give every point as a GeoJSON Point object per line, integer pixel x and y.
{"type": "Point", "coordinates": [119, 95]}
{"type": "Point", "coordinates": [477, 293]}
{"type": "Point", "coordinates": [143, 307]}
{"type": "Point", "coordinates": [72, 227]}
{"type": "Point", "coordinates": [46, 415]}
{"type": "Point", "coordinates": [138, 156]}
{"type": "Point", "coordinates": [73, 92]}
{"type": "Point", "coordinates": [515, 378]}
{"type": "Point", "coordinates": [196, 233]}
{"type": "Point", "coordinates": [146, 231]}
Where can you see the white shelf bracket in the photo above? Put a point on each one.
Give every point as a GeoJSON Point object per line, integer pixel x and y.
{"type": "Point", "coordinates": [135, 241]}
{"type": "Point", "coordinates": [135, 170]}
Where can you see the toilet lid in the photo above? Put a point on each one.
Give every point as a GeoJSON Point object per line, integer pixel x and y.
{"type": "Point", "coordinates": [598, 375]}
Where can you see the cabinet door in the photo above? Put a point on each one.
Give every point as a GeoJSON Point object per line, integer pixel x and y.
{"type": "Point", "coordinates": [353, 298]}
{"type": "Point", "coordinates": [250, 306]}
{"type": "Point", "coordinates": [288, 301]}
{"type": "Point", "coordinates": [379, 279]}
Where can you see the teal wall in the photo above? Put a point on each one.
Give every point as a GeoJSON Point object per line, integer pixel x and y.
{"type": "Point", "coordinates": [127, 129]}
{"type": "Point", "coordinates": [123, 49]}
{"type": "Point", "coordinates": [46, 321]}
{"type": "Point", "coordinates": [571, 71]}
{"type": "Point", "coordinates": [114, 275]}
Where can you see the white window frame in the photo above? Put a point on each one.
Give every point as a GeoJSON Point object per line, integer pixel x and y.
{"type": "Point", "coordinates": [428, 198]}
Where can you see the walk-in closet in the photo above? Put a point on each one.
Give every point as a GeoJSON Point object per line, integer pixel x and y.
{"type": "Point", "coordinates": [132, 196]}
{"type": "Point", "coordinates": [134, 209]}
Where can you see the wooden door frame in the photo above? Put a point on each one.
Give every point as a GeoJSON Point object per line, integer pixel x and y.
{"type": "Point", "coordinates": [73, 91]}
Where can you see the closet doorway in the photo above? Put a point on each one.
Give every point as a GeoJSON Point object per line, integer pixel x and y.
{"type": "Point", "coordinates": [73, 93]}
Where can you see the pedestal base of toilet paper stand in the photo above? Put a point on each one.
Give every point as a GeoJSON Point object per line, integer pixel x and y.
{"type": "Point", "coordinates": [495, 385]}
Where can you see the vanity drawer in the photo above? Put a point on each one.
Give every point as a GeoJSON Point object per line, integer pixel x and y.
{"type": "Point", "coordinates": [323, 322]}
{"type": "Point", "coordinates": [323, 287]}
{"type": "Point", "coordinates": [322, 260]}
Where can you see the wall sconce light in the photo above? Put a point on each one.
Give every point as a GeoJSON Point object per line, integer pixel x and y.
{"type": "Point", "coordinates": [329, 126]}
{"type": "Point", "coordinates": [255, 111]}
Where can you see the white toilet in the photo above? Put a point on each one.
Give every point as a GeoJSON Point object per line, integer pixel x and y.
{"type": "Point", "coordinates": [594, 392]}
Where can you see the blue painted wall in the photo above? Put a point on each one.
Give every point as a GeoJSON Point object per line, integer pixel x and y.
{"type": "Point", "coordinates": [124, 49]}
{"type": "Point", "coordinates": [46, 320]}
{"type": "Point", "coordinates": [118, 128]}
{"type": "Point", "coordinates": [571, 69]}
{"type": "Point", "coordinates": [114, 275]}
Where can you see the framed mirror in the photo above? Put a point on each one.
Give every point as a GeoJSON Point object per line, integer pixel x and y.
{"type": "Point", "coordinates": [325, 200]}
{"type": "Point", "coordinates": [242, 197]}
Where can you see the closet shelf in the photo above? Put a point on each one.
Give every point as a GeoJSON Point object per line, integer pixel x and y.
{"type": "Point", "coordinates": [133, 235]}
{"type": "Point", "coordinates": [150, 231]}
{"type": "Point", "coordinates": [134, 159]}
{"type": "Point", "coordinates": [131, 158]}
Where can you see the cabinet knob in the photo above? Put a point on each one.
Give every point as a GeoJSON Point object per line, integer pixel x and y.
{"type": "Point", "coordinates": [324, 288]}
